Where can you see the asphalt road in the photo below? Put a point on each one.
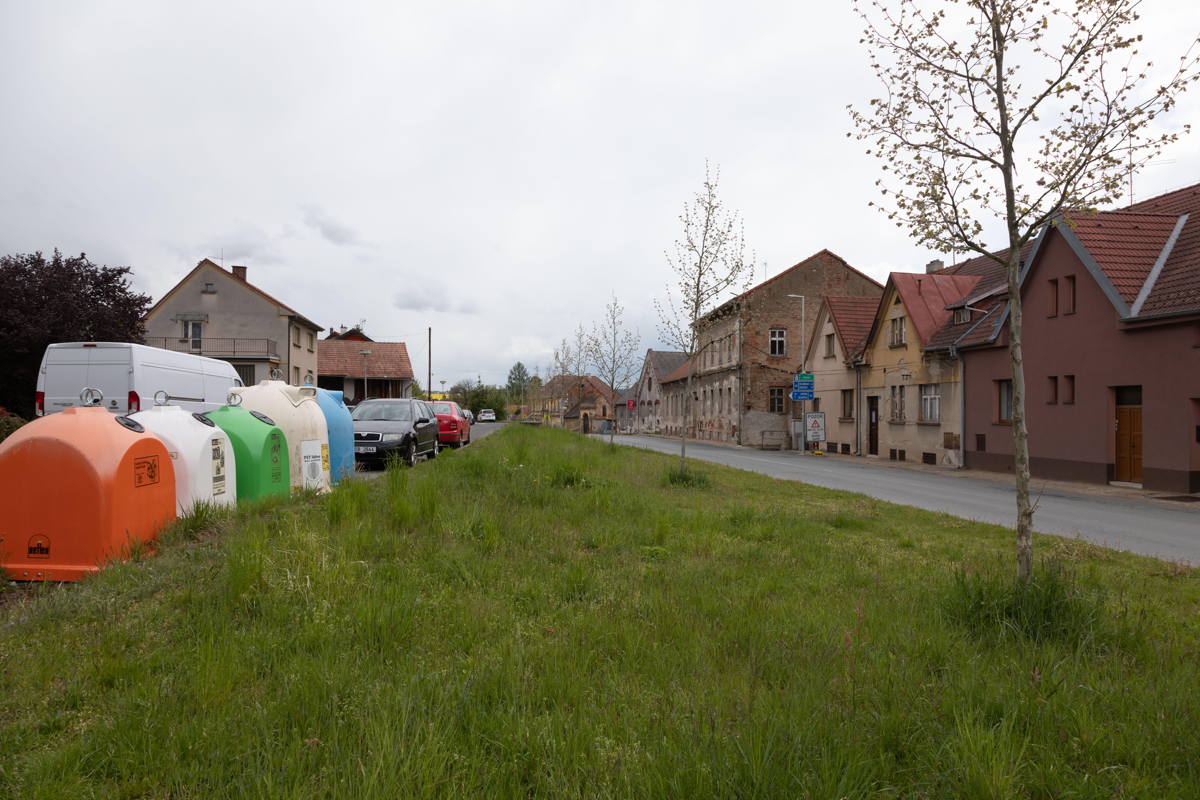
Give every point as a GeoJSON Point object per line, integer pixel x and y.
{"type": "Point", "coordinates": [1137, 525]}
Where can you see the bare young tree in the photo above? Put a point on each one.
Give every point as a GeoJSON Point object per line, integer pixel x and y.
{"type": "Point", "coordinates": [612, 350]}
{"type": "Point", "coordinates": [570, 363]}
{"type": "Point", "coordinates": [708, 261]}
{"type": "Point", "coordinates": [1009, 113]}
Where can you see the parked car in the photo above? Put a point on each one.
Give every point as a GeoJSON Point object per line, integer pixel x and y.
{"type": "Point", "coordinates": [453, 430]}
{"type": "Point", "coordinates": [401, 428]}
{"type": "Point", "coordinates": [124, 378]}
{"type": "Point", "coordinates": [487, 415]}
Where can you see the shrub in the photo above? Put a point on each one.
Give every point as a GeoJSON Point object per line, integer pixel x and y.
{"type": "Point", "coordinates": [686, 478]}
{"type": "Point", "coordinates": [8, 424]}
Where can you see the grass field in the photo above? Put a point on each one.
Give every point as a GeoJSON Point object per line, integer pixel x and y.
{"type": "Point", "coordinates": [541, 615]}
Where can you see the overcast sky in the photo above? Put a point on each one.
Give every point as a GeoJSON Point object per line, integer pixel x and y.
{"type": "Point", "coordinates": [493, 170]}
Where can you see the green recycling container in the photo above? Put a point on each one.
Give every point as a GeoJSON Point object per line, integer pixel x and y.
{"type": "Point", "coordinates": [260, 452]}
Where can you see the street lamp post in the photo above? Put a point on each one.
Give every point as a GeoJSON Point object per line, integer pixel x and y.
{"type": "Point", "coordinates": [803, 361]}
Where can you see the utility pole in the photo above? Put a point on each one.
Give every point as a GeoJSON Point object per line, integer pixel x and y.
{"type": "Point", "coordinates": [429, 365]}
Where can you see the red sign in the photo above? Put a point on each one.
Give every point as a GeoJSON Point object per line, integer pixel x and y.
{"type": "Point", "coordinates": [629, 404]}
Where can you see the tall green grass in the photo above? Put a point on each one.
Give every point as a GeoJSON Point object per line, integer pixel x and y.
{"type": "Point", "coordinates": [540, 615]}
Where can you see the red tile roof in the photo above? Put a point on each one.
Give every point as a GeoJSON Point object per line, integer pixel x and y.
{"type": "Point", "coordinates": [852, 318]}
{"type": "Point", "coordinates": [926, 297]}
{"type": "Point", "coordinates": [1124, 244]}
{"type": "Point", "coordinates": [1178, 286]}
{"type": "Point", "coordinates": [387, 360]}
{"type": "Point", "coordinates": [679, 374]}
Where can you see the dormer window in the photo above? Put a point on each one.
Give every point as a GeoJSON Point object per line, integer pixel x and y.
{"type": "Point", "coordinates": [962, 316]}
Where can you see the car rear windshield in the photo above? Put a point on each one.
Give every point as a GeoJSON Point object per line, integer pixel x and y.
{"type": "Point", "coordinates": [384, 412]}
{"type": "Point", "coordinates": [442, 408]}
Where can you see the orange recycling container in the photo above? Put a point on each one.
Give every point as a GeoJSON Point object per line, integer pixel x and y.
{"type": "Point", "coordinates": [78, 489]}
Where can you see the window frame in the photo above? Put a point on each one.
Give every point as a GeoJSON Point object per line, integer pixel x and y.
{"type": "Point", "coordinates": [830, 346]}
{"type": "Point", "coordinates": [1004, 396]}
{"type": "Point", "coordinates": [847, 407]}
{"type": "Point", "coordinates": [896, 404]}
{"type": "Point", "coordinates": [777, 336]}
{"type": "Point", "coordinates": [776, 396]}
{"type": "Point", "coordinates": [897, 332]}
{"type": "Point", "coordinates": [931, 400]}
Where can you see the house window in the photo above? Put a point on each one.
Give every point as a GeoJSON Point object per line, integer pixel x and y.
{"type": "Point", "coordinates": [192, 331]}
{"type": "Point", "coordinates": [310, 342]}
{"type": "Point", "coordinates": [1068, 294]}
{"type": "Point", "coordinates": [1068, 389]}
{"type": "Point", "coordinates": [1052, 298]}
{"type": "Point", "coordinates": [847, 404]}
{"type": "Point", "coordinates": [296, 336]}
{"type": "Point", "coordinates": [1052, 390]}
{"type": "Point", "coordinates": [778, 339]}
{"type": "Point", "coordinates": [296, 375]}
{"type": "Point", "coordinates": [829, 345]}
{"type": "Point", "coordinates": [931, 402]}
{"type": "Point", "coordinates": [897, 404]}
{"type": "Point", "coordinates": [209, 288]}
{"type": "Point", "coordinates": [775, 398]}
{"type": "Point", "coordinates": [897, 336]}
{"type": "Point", "coordinates": [962, 316]}
{"type": "Point", "coordinates": [1004, 401]}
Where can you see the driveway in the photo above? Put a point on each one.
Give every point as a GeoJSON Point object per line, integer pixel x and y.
{"type": "Point", "coordinates": [1120, 519]}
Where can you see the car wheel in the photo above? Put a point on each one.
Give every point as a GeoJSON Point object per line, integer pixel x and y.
{"type": "Point", "coordinates": [434, 452]}
{"type": "Point", "coordinates": [410, 453]}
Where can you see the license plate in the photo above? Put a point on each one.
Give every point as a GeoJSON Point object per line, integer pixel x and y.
{"type": "Point", "coordinates": [363, 449]}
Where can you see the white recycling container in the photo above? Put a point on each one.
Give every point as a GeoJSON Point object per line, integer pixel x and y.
{"type": "Point", "coordinates": [296, 411]}
{"type": "Point", "coordinates": [200, 452]}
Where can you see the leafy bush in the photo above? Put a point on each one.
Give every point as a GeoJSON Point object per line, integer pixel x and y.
{"type": "Point", "coordinates": [8, 424]}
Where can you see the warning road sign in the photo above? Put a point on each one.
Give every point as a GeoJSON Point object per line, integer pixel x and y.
{"type": "Point", "coordinates": [814, 426]}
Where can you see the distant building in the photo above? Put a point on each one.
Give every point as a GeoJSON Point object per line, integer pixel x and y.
{"type": "Point", "coordinates": [360, 367]}
{"type": "Point", "coordinates": [218, 313]}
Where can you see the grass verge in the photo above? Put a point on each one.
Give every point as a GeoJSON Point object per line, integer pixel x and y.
{"type": "Point", "coordinates": [543, 615]}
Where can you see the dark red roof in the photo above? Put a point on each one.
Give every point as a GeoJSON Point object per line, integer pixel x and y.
{"type": "Point", "coordinates": [679, 374]}
{"type": "Point", "coordinates": [1178, 285]}
{"type": "Point", "coordinates": [852, 318]}
{"type": "Point", "coordinates": [926, 297]}
{"type": "Point", "coordinates": [1124, 244]}
{"type": "Point", "coordinates": [387, 360]}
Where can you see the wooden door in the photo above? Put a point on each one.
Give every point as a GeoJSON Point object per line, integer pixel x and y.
{"type": "Point", "coordinates": [1129, 444]}
{"type": "Point", "coordinates": [873, 426]}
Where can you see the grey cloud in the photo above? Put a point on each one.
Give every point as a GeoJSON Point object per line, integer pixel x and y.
{"type": "Point", "coordinates": [332, 230]}
{"type": "Point", "coordinates": [431, 296]}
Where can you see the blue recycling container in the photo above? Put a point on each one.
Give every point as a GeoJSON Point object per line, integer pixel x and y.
{"type": "Point", "coordinates": [341, 433]}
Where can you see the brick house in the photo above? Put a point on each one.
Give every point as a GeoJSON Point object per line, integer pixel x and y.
{"type": "Point", "coordinates": [218, 313]}
{"type": "Point", "coordinates": [572, 401]}
{"type": "Point", "coordinates": [841, 328]}
{"type": "Point", "coordinates": [750, 346]}
{"type": "Point", "coordinates": [656, 366]}
{"type": "Point", "coordinates": [1112, 351]}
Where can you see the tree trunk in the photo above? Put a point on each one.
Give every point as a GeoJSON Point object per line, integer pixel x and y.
{"type": "Point", "coordinates": [687, 418]}
{"type": "Point", "coordinates": [1020, 430]}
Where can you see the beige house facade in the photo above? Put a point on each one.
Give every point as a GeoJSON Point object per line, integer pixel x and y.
{"type": "Point", "coordinates": [841, 329]}
{"type": "Point", "coordinates": [648, 415]}
{"type": "Point", "coordinates": [911, 399]}
{"type": "Point", "coordinates": [218, 313]}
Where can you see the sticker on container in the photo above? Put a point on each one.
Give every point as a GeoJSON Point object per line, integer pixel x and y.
{"type": "Point", "coordinates": [324, 457]}
{"type": "Point", "coordinates": [276, 467]}
{"type": "Point", "coordinates": [145, 471]}
{"type": "Point", "coordinates": [39, 547]}
{"type": "Point", "coordinates": [218, 466]}
{"type": "Point", "coordinates": [310, 463]}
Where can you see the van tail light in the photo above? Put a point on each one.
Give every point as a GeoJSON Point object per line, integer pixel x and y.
{"type": "Point", "coordinates": [135, 403]}
{"type": "Point", "coordinates": [40, 402]}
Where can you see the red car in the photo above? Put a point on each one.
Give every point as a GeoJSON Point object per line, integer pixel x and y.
{"type": "Point", "coordinates": [453, 429]}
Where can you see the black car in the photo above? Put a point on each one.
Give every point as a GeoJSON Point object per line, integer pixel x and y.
{"type": "Point", "coordinates": [401, 428]}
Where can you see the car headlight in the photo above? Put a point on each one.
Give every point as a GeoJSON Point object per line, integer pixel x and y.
{"type": "Point", "coordinates": [392, 437]}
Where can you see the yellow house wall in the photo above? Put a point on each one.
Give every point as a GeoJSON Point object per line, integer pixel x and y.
{"type": "Point", "coordinates": [908, 367]}
{"type": "Point", "coordinates": [830, 377]}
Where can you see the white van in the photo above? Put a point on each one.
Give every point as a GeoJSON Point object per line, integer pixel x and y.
{"type": "Point", "coordinates": [128, 376]}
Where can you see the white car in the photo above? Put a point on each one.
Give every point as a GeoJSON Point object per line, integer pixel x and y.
{"type": "Point", "coordinates": [487, 415]}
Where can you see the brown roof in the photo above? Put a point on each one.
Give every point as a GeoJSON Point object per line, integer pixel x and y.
{"type": "Point", "coordinates": [926, 297]}
{"type": "Point", "coordinates": [679, 374]}
{"type": "Point", "coordinates": [387, 360]}
{"type": "Point", "coordinates": [664, 362]}
{"type": "Point", "coordinates": [1124, 245]}
{"type": "Point", "coordinates": [1177, 287]}
{"type": "Point", "coordinates": [852, 318]}
{"type": "Point", "coordinates": [207, 262]}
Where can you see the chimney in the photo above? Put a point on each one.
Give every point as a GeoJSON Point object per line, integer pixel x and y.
{"type": "Point", "coordinates": [239, 273]}
{"type": "Point", "coordinates": [932, 266]}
